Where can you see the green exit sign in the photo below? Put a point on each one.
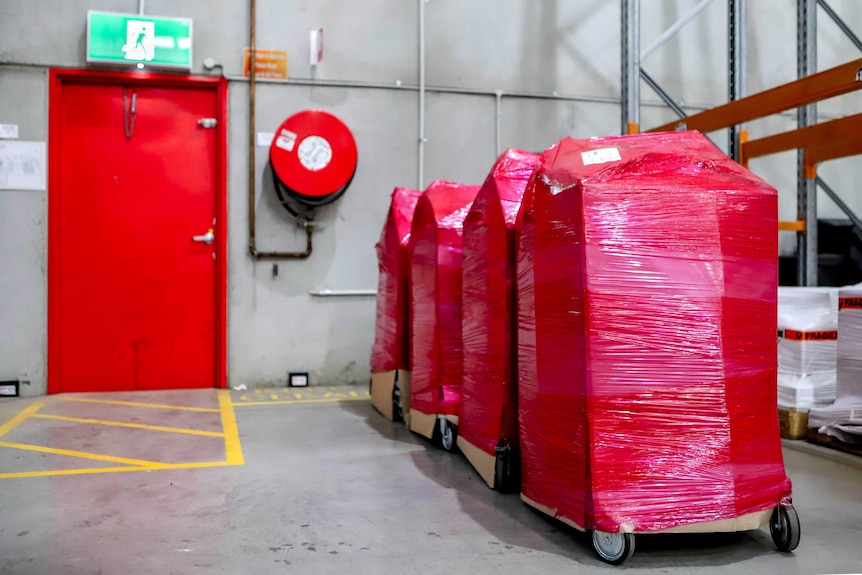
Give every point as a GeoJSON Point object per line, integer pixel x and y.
{"type": "Point", "coordinates": [139, 40]}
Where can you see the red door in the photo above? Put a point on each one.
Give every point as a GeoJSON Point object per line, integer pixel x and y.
{"type": "Point", "coordinates": [134, 174]}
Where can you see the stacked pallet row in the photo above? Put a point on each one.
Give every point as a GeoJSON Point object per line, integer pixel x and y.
{"type": "Point", "coordinates": [594, 327]}
{"type": "Point", "coordinates": [820, 365]}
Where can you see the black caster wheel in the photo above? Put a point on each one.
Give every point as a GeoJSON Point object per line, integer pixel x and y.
{"type": "Point", "coordinates": [785, 528]}
{"type": "Point", "coordinates": [613, 548]}
{"type": "Point", "coordinates": [448, 435]}
{"type": "Point", "coordinates": [397, 410]}
{"type": "Point", "coordinates": [506, 473]}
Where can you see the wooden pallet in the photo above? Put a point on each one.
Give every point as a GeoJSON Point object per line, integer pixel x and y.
{"type": "Point", "coordinates": [827, 441]}
{"type": "Point", "coordinates": [793, 424]}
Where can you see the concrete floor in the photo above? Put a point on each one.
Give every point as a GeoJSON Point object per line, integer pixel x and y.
{"type": "Point", "coordinates": [327, 487]}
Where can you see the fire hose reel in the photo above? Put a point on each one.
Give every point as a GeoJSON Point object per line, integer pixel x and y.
{"type": "Point", "coordinates": [313, 158]}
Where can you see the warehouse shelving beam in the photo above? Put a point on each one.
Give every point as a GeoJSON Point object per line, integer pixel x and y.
{"type": "Point", "coordinates": [820, 144]}
{"type": "Point", "coordinates": [632, 56]}
{"type": "Point", "coordinates": [630, 60]}
{"type": "Point", "coordinates": [736, 79]}
{"type": "Point", "coordinates": [816, 142]}
{"type": "Point", "coordinates": [806, 188]}
{"type": "Point", "coordinates": [829, 83]}
{"type": "Point", "coordinates": [841, 24]}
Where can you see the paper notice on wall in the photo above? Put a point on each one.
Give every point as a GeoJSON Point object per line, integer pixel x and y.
{"type": "Point", "coordinates": [22, 165]}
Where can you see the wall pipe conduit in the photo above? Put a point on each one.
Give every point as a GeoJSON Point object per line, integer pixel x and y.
{"type": "Point", "coordinates": [252, 84]}
{"type": "Point", "coordinates": [422, 139]}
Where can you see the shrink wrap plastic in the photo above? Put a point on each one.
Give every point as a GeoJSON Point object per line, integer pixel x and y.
{"type": "Point", "coordinates": [435, 297]}
{"type": "Point", "coordinates": [647, 273]}
{"type": "Point", "coordinates": [391, 348]}
{"type": "Point", "coordinates": [807, 346]}
{"type": "Point", "coordinates": [489, 395]}
{"type": "Point", "coordinates": [843, 419]}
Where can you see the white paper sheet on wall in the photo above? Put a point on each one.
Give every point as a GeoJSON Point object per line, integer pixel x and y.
{"type": "Point", "coordinates": [22, 165]}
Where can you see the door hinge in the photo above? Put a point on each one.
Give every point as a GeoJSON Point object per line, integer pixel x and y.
{"type": "Point", "coordinates": [207, 122]}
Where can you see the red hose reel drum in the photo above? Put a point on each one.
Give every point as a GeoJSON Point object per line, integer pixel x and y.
{"type": "Point", "coordinates": [313, 156]}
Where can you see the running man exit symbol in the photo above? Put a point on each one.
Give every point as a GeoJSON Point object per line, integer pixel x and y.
{"type": "Point", "coordinates": [132, 39]}
{"type": "Point", "coordinates": [140, 41]}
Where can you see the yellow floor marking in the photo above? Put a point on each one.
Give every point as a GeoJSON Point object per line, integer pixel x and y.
{"type": "Point", "coordinates": [82, 454]}
{"type": "Point", "coordinates": [16, 421]}
{"type": "Point", "coordinates": [297, 401]}
{"type": "Point", "coordinates": [136, 404]}
{"type": "Point", "coordinates": [131, 425]}
{"type": "Point", "coordinates": [232, 446]}
{"type": "Point", "coordinates": [154, 467]}
{"type": "Point", "coordinates": [273, 396]}
{"type": "Point", "coordinates": [70, 472]}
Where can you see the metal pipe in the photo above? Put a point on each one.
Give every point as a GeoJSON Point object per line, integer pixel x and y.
{"type": "Point", "coordinates": [458, 91]}
{"type": "Point", "coordinates": [675, 27]}
{"type": "Point", "coordinates": [344, 293]}
{"type": "Point", "coordinates": [252, 180]}
{"type": "Point", "coordinates": [844, 27]}
{"type": "Point", "coordinates": [840, 203]}
{"type": "Point", "coordinates": [142, 6]}
{"type": "Point", "coordinates": [421, 168]}
{"type": "Point", "coordinates": [498, 104]}
{"type": "Point", "coordinates": [462, 91]}
{"type": "Point", "coordinates": [290, 255]}
{"type": "Point", "coordinates": [252, 39]}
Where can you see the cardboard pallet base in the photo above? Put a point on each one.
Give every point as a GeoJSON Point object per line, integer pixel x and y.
{"type": "Point", "coordinates": [793, 424]}
{"type": "Point", "coordinates": [747, 522]}
{"type": "Point", "coordinates": [382, 386]}
{"type": "Point", "coordinates": [485, 464]}
{"type": "Point", "coordinates": [423, 423]}
{"type": "Point", "coordinates": [831, 442]}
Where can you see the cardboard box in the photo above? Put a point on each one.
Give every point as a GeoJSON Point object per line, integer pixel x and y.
{"type": "Point", "coordinates": [382, 389]}
{"type": "Point", "coordinates": [423, 423]}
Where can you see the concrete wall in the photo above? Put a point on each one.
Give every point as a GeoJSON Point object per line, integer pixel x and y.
{"type": "Point", "coordinates": [546, 48]}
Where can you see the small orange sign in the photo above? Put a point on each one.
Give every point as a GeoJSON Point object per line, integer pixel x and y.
{"type": "Point", "coordinates": [270, 64]}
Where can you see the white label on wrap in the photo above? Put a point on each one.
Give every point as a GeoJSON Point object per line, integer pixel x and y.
{"type": "Point", "coordinates": [314, 153]}
{"type": "Point", "coordinates": [286, 140]}
{"type": "Point", "coordinates": [601, 156]}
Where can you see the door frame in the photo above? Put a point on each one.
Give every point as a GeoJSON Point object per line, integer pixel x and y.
{"type": "Point", "coordinates": [58, 78]}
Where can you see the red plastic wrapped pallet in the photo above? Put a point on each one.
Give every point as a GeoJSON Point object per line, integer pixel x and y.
{"type": "Point", "coordinates": [391, 347]}
{"type": "Point", "coordinates": [435, 302]}
{"type": "Point", "coordinates": [488, 423]}
{"type": "Point", "coordinates": [647, 274]}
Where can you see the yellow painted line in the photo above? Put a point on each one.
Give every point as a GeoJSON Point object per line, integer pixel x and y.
{"type": "Point", "coordinates": [70, 472]}
{"type": "Point", "coordinates": [296, 401]}
{"type": "Point", "coordinates": [137, 404]}
{"type": "Point", "coordinates": [16, 421]}
{"type": "Point", "coordinates": [82, 454]}
{"type": "Point", "coordinates": [130, 425]}
{"type": "Point", "coordinates": [155, 467]}
{"type": "Point", "coordinates": [232, 446]}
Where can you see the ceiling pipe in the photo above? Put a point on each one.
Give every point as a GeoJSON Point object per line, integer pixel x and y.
{"type": "Point", "coordinates": [252, 220]}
